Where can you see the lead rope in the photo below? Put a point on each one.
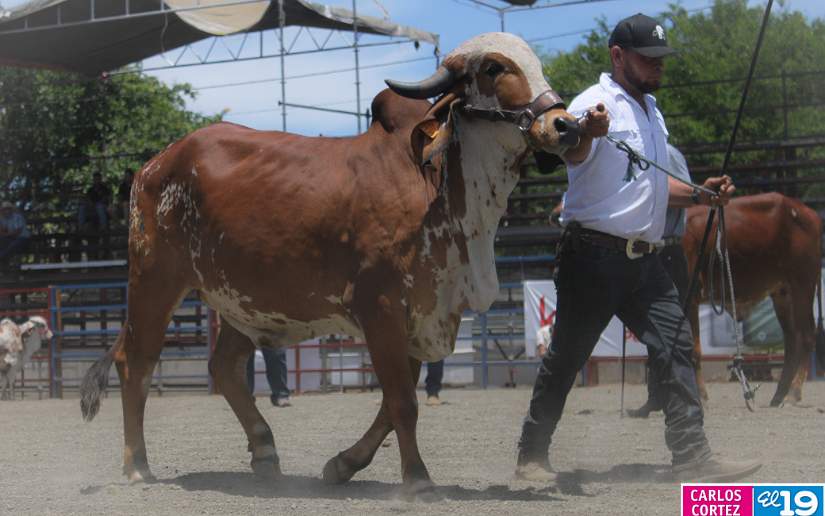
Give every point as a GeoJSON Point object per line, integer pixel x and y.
{"type": "Point", "coordinates": [727, 273]}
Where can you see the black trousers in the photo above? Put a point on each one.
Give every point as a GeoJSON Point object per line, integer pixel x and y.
{"type": "Point", "coordinates": [593, 284]}
{"type": "Point", "coordinates": [435, 374]}
{"type": "Point", "coordinates": [276, 372]}
{"type": "Point", "coordinates": [675, 264]}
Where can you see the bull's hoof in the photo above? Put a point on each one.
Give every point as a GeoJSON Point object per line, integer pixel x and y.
{"type": "Point", "coordinates": [337, 471]}
{"type": "Point", "coordinates": [776, 402]}
{"type": "Point", "coordinates": [421, 491]}
{"type": "Point", "coordinates": [266, 468]}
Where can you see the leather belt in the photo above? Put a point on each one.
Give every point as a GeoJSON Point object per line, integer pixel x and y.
{"type": "Point", "coordinates": [632, 247]}
{"type": "Point", "coordinates": [672, 240]}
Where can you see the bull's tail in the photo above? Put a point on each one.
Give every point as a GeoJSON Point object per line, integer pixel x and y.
{"type": "Point", "coordinates": [94, 384]}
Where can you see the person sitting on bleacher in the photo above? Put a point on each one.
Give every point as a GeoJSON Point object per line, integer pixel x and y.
{"type": "Point", "coordinates": [97, 199]}
{"type": "Point", "coordinates": [13, 231]}
{"type": "Point", "coordinates": [124, 191]}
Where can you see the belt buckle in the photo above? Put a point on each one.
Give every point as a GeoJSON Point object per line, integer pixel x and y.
{"type": "Point", "coordinates": [629, 249]}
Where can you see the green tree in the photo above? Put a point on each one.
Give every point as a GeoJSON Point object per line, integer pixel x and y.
{"type": "Point", "coordinates": [56, 129]}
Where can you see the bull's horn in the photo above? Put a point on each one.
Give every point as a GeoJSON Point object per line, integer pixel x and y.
{"type": "Point", "coordinates": [434, 85]}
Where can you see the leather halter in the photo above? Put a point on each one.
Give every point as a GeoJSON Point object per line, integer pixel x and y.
{"type": "Point", "coordinates": [523, 117]}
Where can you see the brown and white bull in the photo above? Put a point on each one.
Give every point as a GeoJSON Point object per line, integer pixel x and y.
{"type": "Point", "coordinates": [17, 345]}
{"type": "Point", "coordinates": [775, 250]}
{"type": "Point", "coordinates": [387, 235]}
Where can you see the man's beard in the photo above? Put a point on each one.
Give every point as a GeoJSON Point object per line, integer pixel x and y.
{"type": "Point", "coordinates": [643, 86]}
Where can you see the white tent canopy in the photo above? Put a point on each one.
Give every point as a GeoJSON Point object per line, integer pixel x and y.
{"type": "Point", "coordinates": [93, 36]}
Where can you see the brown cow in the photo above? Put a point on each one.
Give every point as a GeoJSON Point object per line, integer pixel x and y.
{"type": "Point", "coordinates": [775, 250]}
{"type": "Point", "coordinates": [387, 235]}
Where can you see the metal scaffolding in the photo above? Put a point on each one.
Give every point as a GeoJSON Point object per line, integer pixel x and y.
{"type": "Point", "coordinates": [329, 35]}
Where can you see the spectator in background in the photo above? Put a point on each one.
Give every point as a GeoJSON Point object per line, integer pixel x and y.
{"type": "Point", "coordinates": [124, 191]}
{"type": "Point", "coordinates": [432, 384]}
{"type": "Point", "coordinates": [13, 230]}
{"type": "Point", "coordinates": [97, 201]}
{"type": "Point", "coordinates": [543, 338]}
{"type": "Point", "coordinates": [276, 375]}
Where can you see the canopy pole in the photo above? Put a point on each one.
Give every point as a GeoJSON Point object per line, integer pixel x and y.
{"type": "Point", "coordinates": [357, 67]}
{"type": "Point", "coordinates": [281, 23]}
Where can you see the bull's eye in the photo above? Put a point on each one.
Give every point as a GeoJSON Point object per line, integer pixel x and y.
{"type": "Point", "coordinates": [494, 69]}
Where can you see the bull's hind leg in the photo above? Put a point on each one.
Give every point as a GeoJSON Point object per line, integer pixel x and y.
{"type": "Point", "coordinates": [696, 357]}
{"type": "Point", "coordinates": [783, 306]}
{"type": "Point", "coordinates": [343, 466]}
{"type": "Point", "coordinates": [152, 300]}
{"type": "Point", "coordinates": [804, 328]}
{"type": "Point", "coordinates": [228, 368]}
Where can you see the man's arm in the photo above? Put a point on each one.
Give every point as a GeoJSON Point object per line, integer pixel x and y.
{"type": "Point", "coordinates": [683, 196]}
{"type": "Point", "coordinates": [594, 125]}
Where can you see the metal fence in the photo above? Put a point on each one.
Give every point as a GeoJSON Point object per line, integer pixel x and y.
{"type": "Point", "coordinates": [86, 319]}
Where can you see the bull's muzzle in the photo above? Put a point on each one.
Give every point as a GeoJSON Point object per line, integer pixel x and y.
{"type": "Point", "coordinates": [569, 131]}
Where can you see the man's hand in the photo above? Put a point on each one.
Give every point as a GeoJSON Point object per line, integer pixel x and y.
{"type": "Point", "coordinates": [723, 186]}
{"type": "Point", "coordinates": [595, 122]}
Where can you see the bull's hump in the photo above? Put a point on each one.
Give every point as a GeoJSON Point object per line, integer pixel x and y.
{"type": "Point", "coordinates": [395, 112]}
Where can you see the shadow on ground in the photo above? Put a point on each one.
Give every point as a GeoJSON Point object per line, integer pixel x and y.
{"type": "Point", "coordinates": [294, 486]}
{"type": "Point", "coordinates": [570, 483]}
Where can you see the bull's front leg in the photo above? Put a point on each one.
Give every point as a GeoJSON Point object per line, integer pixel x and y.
{"type": "Point", "coordinates": [383, 318]}
{"type": "Point", "coordinates": [343, 466]}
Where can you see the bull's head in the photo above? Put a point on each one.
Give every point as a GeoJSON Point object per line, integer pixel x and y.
{"type": "Point", "coordinates": [496, 77]}
{"type": "Point", "coordinates": [36, 326]}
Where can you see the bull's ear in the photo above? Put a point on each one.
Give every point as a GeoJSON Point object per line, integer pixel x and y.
{"type": "Point", "coordinates": [432, 134]}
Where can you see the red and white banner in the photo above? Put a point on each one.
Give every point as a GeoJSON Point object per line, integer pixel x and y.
{"type": "Point", "coordinates": [540, 310]}
{"type": "Point", "coordinates": [717, 335]}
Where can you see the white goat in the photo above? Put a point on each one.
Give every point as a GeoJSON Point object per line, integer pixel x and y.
{"type": "Point", "coordinates": [17, 344]}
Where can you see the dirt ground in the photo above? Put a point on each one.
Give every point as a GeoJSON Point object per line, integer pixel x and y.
{"type": "Point", "coordinates": [52, 462]}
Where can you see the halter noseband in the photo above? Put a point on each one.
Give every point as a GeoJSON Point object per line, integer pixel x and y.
{"type": "Point", "coordinates": [524, 117]}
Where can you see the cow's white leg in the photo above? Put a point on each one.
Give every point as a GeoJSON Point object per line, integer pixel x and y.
{"type": "Point", "coordinates": [228, 367]}
{"type": "Point", "coordinates": [152, 300]}
{"type": "Point", "coordinates": [343, 466]}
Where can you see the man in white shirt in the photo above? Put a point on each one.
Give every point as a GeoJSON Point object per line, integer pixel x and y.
{"type": "Point", "coordinates": [613, 215]}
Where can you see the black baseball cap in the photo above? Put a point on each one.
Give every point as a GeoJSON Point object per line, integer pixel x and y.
{"type": "Point", "coordinates": [641, 34]}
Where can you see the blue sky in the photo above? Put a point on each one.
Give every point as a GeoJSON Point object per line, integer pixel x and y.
{"type": "Point", "coordinates": [256, 105]}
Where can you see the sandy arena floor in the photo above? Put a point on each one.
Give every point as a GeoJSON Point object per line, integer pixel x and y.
{"type": "Point", "coordinates": [52, 462]}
